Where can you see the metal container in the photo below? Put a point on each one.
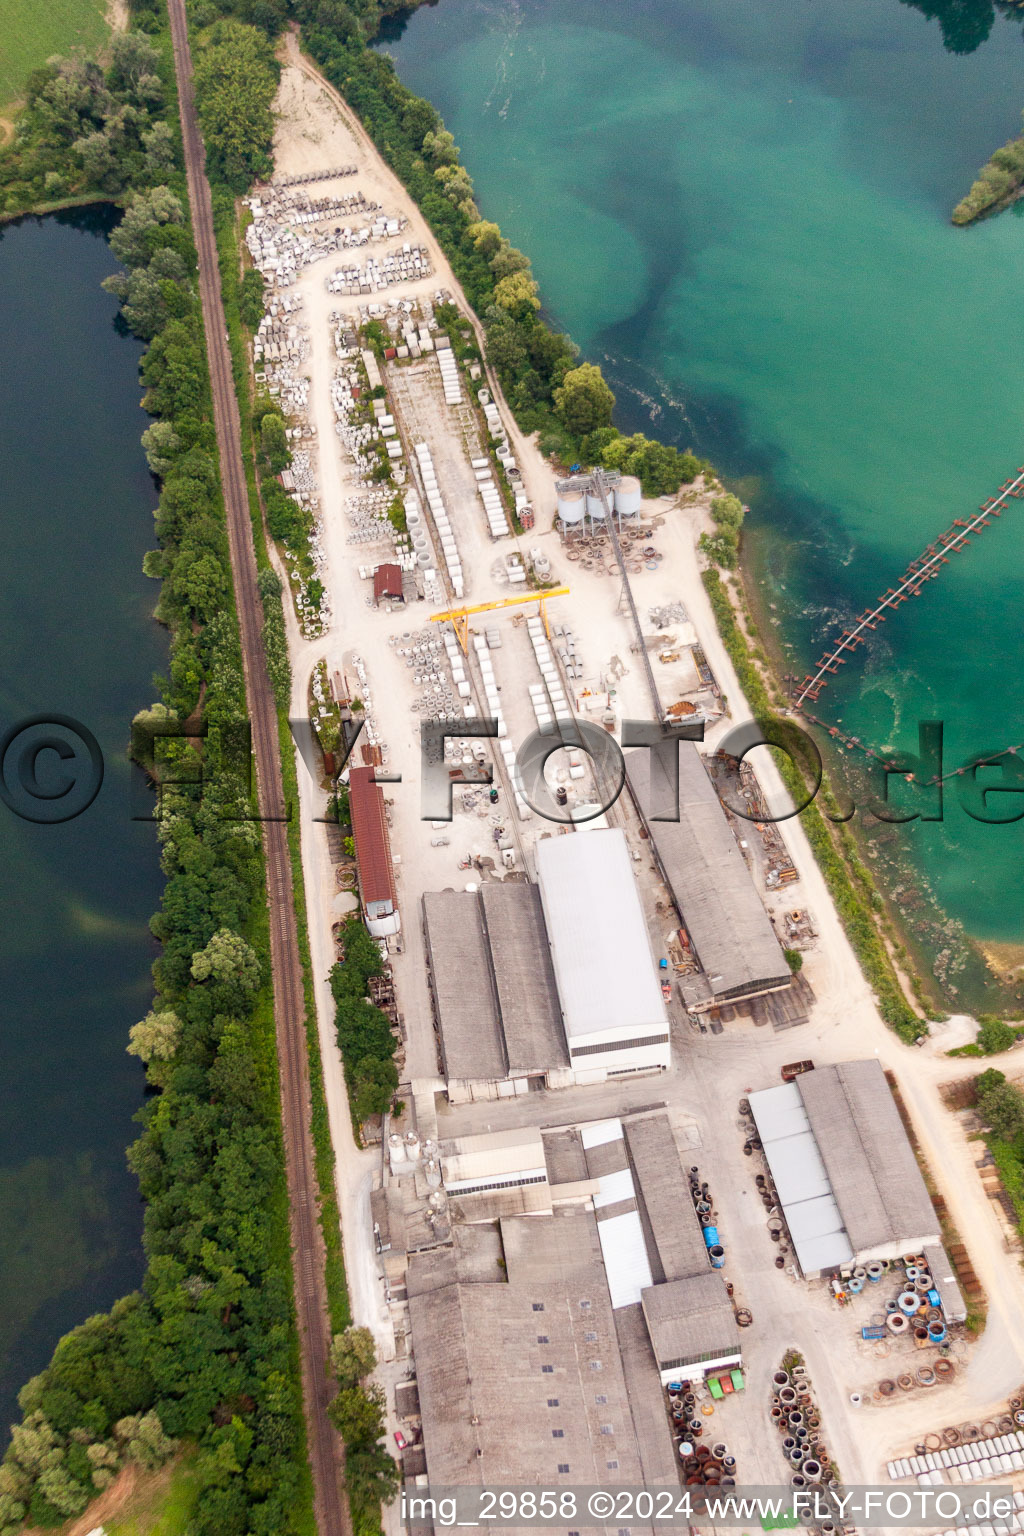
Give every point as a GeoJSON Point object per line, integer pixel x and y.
{"type": "Point", "coordinates": [717, 1256]}
{"type": "Point", "coordinates": [710, 1236]}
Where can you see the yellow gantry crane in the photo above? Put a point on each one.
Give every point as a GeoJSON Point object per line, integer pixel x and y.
{"type": "Point", "coordinates": [459, 617]}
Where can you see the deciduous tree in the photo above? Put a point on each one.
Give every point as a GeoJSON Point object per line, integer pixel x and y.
{"type": "Point", "coordinates": [583, 401]}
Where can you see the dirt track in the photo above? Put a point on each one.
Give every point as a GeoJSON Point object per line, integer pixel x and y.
{"type": "Point", "coordinates": [289, 1001]}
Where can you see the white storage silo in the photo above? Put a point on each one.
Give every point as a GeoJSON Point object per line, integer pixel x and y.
{"type": "Point", "coordinates": [628, 496]}
{"type": "Point", "coordinates": [571, 507]}
{"type": "Point", "coordinates": [396, 1154]}
{"type": "Point", "coordinates": [595, 507]}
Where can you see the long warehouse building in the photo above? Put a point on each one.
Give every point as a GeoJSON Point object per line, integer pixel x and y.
{"type": "Point", "coordinates": [374, 867]}
{"type": "Point", "coordinates": [612, 1008]}
{"type": "Point", "coordinates": [495, 1002]}
{"type": "Point", "coordinates": [845, 1173]}
{"type": "Point", "coordinates": [707, 876]}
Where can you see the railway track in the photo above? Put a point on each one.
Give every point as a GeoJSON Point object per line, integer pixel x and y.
{"type": "Point", "coordinates": [308, 1258]}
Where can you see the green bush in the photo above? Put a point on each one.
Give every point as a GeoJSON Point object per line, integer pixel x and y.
{"type": "Point", "coordinates": [994, 1035]}
{"type": "Point", "coordinates": [275, 642]}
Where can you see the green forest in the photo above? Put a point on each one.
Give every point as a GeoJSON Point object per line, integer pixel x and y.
{"type": "Point", "coordinates": [206, 1351]}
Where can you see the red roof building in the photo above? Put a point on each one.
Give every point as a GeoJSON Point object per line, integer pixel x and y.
{"type": "Point", "coordinates": [387, 582]}
{"type": "Point", "coordinates": [373, 853]}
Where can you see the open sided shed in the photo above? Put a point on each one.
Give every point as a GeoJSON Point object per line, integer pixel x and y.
{"type": "Point", "coordinates": [845, 1172]}
{"type": "Point", "coordinates": [705, 871]}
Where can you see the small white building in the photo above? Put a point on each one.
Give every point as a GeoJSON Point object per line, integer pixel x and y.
{"type": "Point", "coordinates": [612, 1008]}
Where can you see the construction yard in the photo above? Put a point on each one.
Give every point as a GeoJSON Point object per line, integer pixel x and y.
{"type": "Point", "coordinates": [877, 1399]}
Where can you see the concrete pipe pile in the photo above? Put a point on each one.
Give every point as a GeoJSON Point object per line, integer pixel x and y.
{"type": "Point", "coordinates": [450, 377]}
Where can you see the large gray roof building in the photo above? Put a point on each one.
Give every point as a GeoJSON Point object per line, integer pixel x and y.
{"type": "Point", "coordinates": [844, 1170]}
{"type": "Point", "coordinates": [462, 983]}
{"type": "Point", "coordinates": [519, 1378]}
{"type": "Point", "coordinates": [494, 994]}
{"type": "Point", "coordinates": [675, 1239]}
{"type": "Point", "coordinates": [869, 1160]}
{"type": "Point", "coordinates": [704, 869]}
{"type": "Point", "coordinates": [542, 1342]}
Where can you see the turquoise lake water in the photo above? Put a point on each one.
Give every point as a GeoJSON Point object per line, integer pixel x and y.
{"type": "Point", "coordinates": [742, 211]}
{"type": "Point", "coordinates": [77, 638]}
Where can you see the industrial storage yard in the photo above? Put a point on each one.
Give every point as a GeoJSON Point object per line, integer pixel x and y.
{"type": "Point", "coordinates": [606, 1214]}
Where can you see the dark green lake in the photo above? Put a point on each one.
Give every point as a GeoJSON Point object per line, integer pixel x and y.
{"type": "Point", "coordinates": [742, 210]}
{"type": "Point", "coordinates": [77, 638]}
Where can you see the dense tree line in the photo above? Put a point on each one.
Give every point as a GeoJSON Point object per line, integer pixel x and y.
{"type": "Point", "coordinates": [236, 80]}
{"type": "Point", "coordinates": [206, 1351]}
{"type": "Point", "coordinates": [364, 1035]}
{"type": "Point", "coordinates": [357, 1412]}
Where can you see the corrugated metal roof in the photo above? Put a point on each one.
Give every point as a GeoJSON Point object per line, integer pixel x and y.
{"type": "Point", "coordinates": [370, 835]}
{"type": "Point", "coordinates": [944, 1275]}
{"type": "Point", "coordinates": [599, 944]}
{"type": "Point", "coordinates": [613, 1187]}
{"type": "Point", "coordinates": [870, 1162]}
{"type": "Point", "coordinates": [494, 989]}
{"type": "Point", "coordinates": [843, 1166]}
{"type": "Point", "coordinates": [472, 1045]}
{"type": "Point", "coordinates": [625, 1258]}
{"type": "Point", "coordinates": [689, 1318]}
{"type": "Point", "coordinates": [663, 1197]}
{"type": "Point", "coordinates": [803, 1186]}
{"type": "Point", "coordinates": [658, 1455]}
{"type": "Point", "coordinates": [471, 1159]}
{"type": "Point", "coordinates": [387, 582]}
{"type": "Point", "coordinates": [597, 1132]}
{"type": "Point", "coordinates": [707, 875]}
{"type": "Point", "coordinates": [527, 995]}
